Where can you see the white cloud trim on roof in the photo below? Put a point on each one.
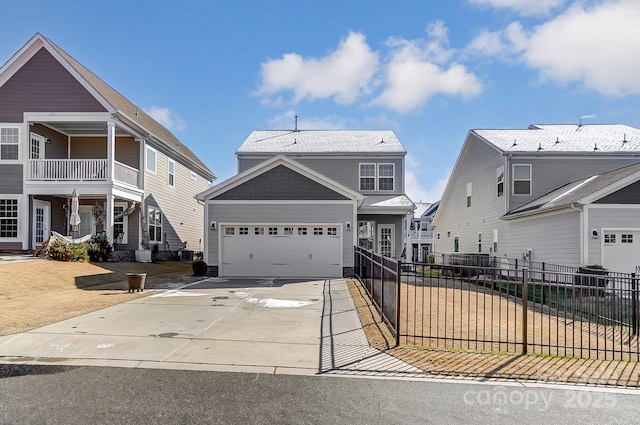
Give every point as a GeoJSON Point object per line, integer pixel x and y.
{"type": "Point", "coordinates": [166, 118]}
{"type": "Point", "coordinates": [342, 75]}
{"type": "Point", "coordinates": [594, 45]}
{"type": "Point", "coordinates": [524, 7]}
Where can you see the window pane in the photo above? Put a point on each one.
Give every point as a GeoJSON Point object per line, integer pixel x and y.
{"type": "Point", "coordinates": [367, 183]}
{"type": "Point", "coordinates": [367, 170]}
{"type": "Point", "coordinates": [521, 172]}
{"type": "Point", "coordinates": [522, 187]}
{"type": "Point", "coordinates": [151, 160]}
{"type": "Point", "coordinates": [9, 152]}
{"type": "Point", "coordinates": [385, 170]}
{"type": "Point", "coordinates": [385, 184]}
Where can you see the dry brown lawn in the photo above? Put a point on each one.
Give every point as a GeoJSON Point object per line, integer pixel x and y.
{"type": "Point", "coordinates": [38, 292]}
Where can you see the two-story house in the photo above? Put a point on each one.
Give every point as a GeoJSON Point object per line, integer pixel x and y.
{"type": "Point", "coordinates": [302, 199]}
{"type": "Point", "coordinates": [563, 194]}
{"type": "Point", "coordinates": [422, 233]}
{"type": "Point", "coordinates": [62, 128]}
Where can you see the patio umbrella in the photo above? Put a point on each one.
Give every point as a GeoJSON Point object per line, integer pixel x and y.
{"type": "Point", "coordinates": [74, 218]}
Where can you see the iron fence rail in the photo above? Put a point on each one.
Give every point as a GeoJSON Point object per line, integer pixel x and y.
{"type": "Point", "coordinates": [593, 314]}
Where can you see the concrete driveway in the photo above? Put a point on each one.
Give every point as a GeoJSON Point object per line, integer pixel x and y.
{"type": "Point", "coordinates": [289, 326]}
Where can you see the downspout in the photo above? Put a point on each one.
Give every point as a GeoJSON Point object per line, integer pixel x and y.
{"type": "Point", "coordinates": [582, 238]}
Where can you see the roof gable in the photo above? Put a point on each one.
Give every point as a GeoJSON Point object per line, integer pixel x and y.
{"type": "Point", "coordinates": [42, 84]}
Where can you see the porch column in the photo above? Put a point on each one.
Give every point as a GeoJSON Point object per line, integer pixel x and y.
{"type": "Point", "coordinates": [111, 150]}
{"type": "Point", "coordinates": [108, 218]}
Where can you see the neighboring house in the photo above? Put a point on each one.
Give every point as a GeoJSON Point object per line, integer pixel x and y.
{"type": "Point", "coordinates": [563, 194]}
{"type": "Point", "coordinates": [62, 128]}
{"type": "Point", "coordinates": [422, 231]}
{"type": "Point", "coordinates": [302, 199]}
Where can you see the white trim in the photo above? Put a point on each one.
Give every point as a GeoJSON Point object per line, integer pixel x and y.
{"type": "Point", "coordinates": [613, 187]}
{"type": "Point", "coordinates": [46, 205]}
{"type": "Point", "coordinates": [513, 179]}
{"type": "Point", "coordinates": [125, 222]}
{"type": "Point", "coordinates": [374, 177]}
{"type": "Point", "coordinates": [17, 160]}
{"type": "Point", "coordinates": [611, 229]}
{"type": "Point", "coordinates": [282, 202]}
{"type": "Point", "coordinates": [21, 219]}
{"type": "Point", "coordinates": [169, 174]}
{"type": "Point", "coordinates": [146, 160]}
{"type": "Point", "coordinates": [378, 177]}
{"type": "Point", "coordinates": [615, 206]}
{"type": "Point", "coordinates": [379, 228]}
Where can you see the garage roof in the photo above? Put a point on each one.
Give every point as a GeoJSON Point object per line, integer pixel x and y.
{"type": "Point", "coordinates": [322, 141]}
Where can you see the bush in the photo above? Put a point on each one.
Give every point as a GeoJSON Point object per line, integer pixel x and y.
{"type": "Point", "coordinates": [199, 267]}
{"type": "Point", "coordinates": [99, 248]}
{"type": "Point", "coordinates": [65, 251]}
{"type": "Point", "coordinates": [431, 259]}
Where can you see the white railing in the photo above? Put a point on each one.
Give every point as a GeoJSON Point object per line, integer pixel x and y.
{"type": "Point", "coordinates": [68, 169]}
{"type": "Point", "coordinates": [422, 234]}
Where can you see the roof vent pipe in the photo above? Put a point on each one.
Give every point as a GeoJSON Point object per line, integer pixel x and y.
{"type": "Point", "coordinates": [539, 147]}
{"type": "Point", "coordinates": [296, 129]}
{"type": "Point", "coordinates": [595, 147]}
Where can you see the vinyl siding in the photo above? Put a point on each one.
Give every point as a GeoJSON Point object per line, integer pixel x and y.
{"type": "Point", "coordinates": [11, 179]}
{"type": "Point", "coordinates": [554, 238]}
{"type": "Point", "coordinates": [477, 165]}
{"type": "Point", "coordinates": [128, 151]}
{"type": "Point", "coordinates": [183, 215]}
{"type": "Point", "coordinates": [550, 173]}
{"type": "Point", "coordinates": [342, 170]}
{"type": "Point", "coordinates": [398, 234]}
{"type": "Point", "coordinates": [57, 149]}
{"type": "Point", "coordinates": [283, 213]}
{"type": "Point", "coordinates": [89, 147]}
{"type": "Point", "coordinates": [608, 218]}
{"type": "Point", "coordinates": [44, 85]}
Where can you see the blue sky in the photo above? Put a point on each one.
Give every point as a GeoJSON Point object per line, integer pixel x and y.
{"type": "Point", "coordinates": [213, 71]}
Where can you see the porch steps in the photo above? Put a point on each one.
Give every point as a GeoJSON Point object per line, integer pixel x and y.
{"type": "Point", "coordinates": [41, 249]}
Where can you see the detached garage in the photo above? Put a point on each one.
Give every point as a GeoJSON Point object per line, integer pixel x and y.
{"type": "Point", "coordinates": [280, 219]}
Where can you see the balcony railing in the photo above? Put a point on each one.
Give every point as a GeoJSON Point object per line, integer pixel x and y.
{"type": "Point", "coordinates": [90, 170]}
{"type": "Point", "coordinates": [422, 234]}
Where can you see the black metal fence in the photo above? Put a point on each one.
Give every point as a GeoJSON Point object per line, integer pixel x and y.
{"type": "Point", "coordinates": [477, 306]}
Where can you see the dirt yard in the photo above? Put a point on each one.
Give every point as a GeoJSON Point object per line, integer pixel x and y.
{"type": "Point", "coordinates": [38, 292]}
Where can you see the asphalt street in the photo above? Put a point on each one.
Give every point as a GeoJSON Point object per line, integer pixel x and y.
{"type": "Point", "coordinates": [35, 394]}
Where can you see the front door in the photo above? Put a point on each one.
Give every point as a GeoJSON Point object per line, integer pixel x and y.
{"type": "Point", "coordinates": [41, 222]}
{"type": "Point", "coordinates": [385, 240]}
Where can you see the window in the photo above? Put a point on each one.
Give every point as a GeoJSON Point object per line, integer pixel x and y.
{"type": "Point", "coordinates": [194, 176]}
{"type": "Point", "coordinates": [367, 176]}
{"type": "Point", "coordinates": [365, 234]}
{"type": "Point", "coordinates": [522, 179]}
{"type": "Point", "coordinates": [468, 195]}
{"type": "Point", "coordinates": [229, 231]}
{"type": "Point", "coordinates": [152, 155]}
{"type": "Point", "coordinates": [171, 167]}
{"type": "Point", "coordinates": [155, 225]}
{"type": "Point", "coordinates": [610, 238]}
{"type": "Point", "coordinates": [479, 242]}
{"type": "Point", "coordinates": [626, 238]}
{"type": "Point", "coordinates": [456, 244]}
{"type": "Point", "coordinates": [273, 230]}
{"type": "Point", "coordinates": [448, 234]}
{"type": "Point", "coordinates": [385, 176]}
{"type": "Point", "coordinates": [288, 231]}
{"type": "Point", "coordinates": [120, 223]}
{"type": "Point", "coordinates": [495, 240]}
{"type": "Point", "coordinates": [8, 218]}
{"type": "Point", "coordinates": [302, 231]}
{"type": "Point", "coordinates": [9, 143]}
{"type": "Point", "coordinates": [500, 181]}
{"type": "Point", "coordinates": [243, 230]}
{"type": "Point", "coordinates": [258, 230]}
{"type": "Point", "coordinates": [318, 231]}
{"type": "Point", "coordinates": [332, 231]}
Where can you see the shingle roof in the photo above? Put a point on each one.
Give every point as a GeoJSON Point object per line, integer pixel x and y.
{"type": "Point", "coordinates": [573, 192]}
{"type": "Point", "coordinates": [322, 141]}
{"type": "Point", "coordinates": [542, 138]}
{"type": "Point", "coordinates": [133, 112]}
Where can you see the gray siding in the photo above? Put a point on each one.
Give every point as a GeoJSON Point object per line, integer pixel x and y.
{"type": "Point", "coordinates": [398, 234]}
{"type": "Point", "coordinates": [280, 183]}
{"type": "Point", "coordinates": [627, 195]}
{"type": "Point", "coordinates": [11, 179]}
{"type": "Point", "coordinates": [57, 149]}
{"type": "Point", "coordinates": [609, 218]}
{"type": "Point", "coordinates": [283, 213]}
{"type": "Point", "coordinates": [342, 170]}
{"type": "Point", "coordinates": [477, 165]}
{"type": "Point", "coordinates": [550, 173]}
{"type": "Point", "coordinates": [43, 85]}
{"type": "Point", "coordinates": [553, 238]}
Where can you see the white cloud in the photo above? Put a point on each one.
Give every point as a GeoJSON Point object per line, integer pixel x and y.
{"type": "Point", "coordinates": [343, 75]}
{"type": "Point", "coordinates": [594, 46]}
{"type": "Point", "coordinates": [524, 7]}
{"type": "Point", "coordinates": [419, 70]}
{"type": "Point", "coordinates": [417, 190]}
{"type": "Point", "coordinates": [165, 117]}
{"type": "Point", "coordinates": [287, 121]}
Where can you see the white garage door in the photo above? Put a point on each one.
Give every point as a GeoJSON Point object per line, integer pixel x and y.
{"type": "Point", "coordinates": [281, 250]}
{"type": "Point", "coordinates": [621, 250]}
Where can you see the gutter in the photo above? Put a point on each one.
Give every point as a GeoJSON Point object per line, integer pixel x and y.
{"type": "Point", "coordinates": [583, 240]}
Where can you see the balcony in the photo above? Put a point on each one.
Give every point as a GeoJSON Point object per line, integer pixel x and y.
{"type": "Point", "coordinates": [422, 234]}
{"type": "Point", "coordinates": [79, 170]}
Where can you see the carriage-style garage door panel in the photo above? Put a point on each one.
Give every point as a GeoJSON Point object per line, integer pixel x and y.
{"type": "Point", "coordinates": [281, 250]}
{"type": "Point", "coordinates": [621, 250]}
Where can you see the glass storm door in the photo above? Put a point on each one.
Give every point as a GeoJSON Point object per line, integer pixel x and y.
{"type": "Point", "coordinates": [41, 222]}
{"type": "Point", "coordinates": [385, 240]}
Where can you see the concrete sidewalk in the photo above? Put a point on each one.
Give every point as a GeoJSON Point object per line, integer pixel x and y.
{"type": "Point", "coordinates": [263, 326]}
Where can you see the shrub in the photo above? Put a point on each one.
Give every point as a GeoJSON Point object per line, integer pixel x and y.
{"type": "Point", "coordinates": [99, 248]}
{"type": "Point", "coordinates": [431, 259]}
{"type": "Point", "coordinates": [65, 251]}
{"type": "Point", "coordinates": [199, 267]}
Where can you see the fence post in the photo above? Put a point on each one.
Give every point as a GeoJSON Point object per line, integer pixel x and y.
{"type": "Point", "coordinates": [634, 304]}
{"type": "Point", "coordinates": [398, 284]}
{"type": "Point", "coordinates": [525, 301]}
